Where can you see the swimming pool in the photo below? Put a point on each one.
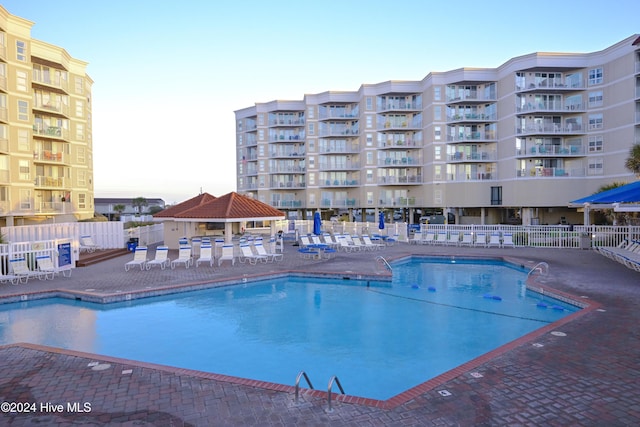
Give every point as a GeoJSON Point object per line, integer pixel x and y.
{"type": "Point", "coordinates": [379, 338]}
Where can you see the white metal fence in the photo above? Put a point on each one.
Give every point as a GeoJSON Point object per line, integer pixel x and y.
{"type": "Point", "coordinates": [31, 250]}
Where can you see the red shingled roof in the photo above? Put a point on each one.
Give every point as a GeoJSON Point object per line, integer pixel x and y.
{"type": "Point", "coordinates": [172, 211]}
{"type": "Point", "coordinates": [229, 206]}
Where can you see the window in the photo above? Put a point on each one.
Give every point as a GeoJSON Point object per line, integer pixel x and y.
{"type": "Point", "coordinates": [312, 145]}
{"type": "Point", "coordinates": [81, 155]}
{"type": "Point", "coordinates": [369, 102]}
{"type": "Point", "coordinates": [24, 140]}
{"type": "Point", "coordinates": [595, 76]}
{"type": "Point", "coordinates": [23, 111]}
{"type": "Point", "coordinates": [595, 166]}
{"type": "Point", "coordinates": [437, 93]}
{"type": "Point", "coordinates": [260, 119]}
{"type": "Point", "coordinates": [369, 175]}
{"type": "Point", "coordinates": [21, 81]}
{"type": "Point", "coordinates": [312, 162]}
{"type": "Point", "coordinates": [312, 199]}
{"type": "Point", "coordinates": [595, 121]}
{"type": "Point", "coordinates": [21, 50]}
{"type": "Point", "coordinates": [79, 85]}
{"type": "Point", "coordinates": [261, 134]}
{"type": "Point", "coordinates": [496, 196]}
{"type": "Point", "coordinates": [80, 132]}
{"type": "Point", "coordinates": [437, 112]}
{"type": "Point", "coordinates": [369, 122]}
{"type": "Point", "coordinates": [311, 112]}
{"type": "Point", "coordinates": [79, 108]}
{"type": "Point", "coordinates": [24, 170]}
{"type": "Point", "coordinates": [312, 129]}
{"type": "Point", "coordinates": [82, 178]}
{"type": "Point", "coordinates": [82, 201]}
{"type": "Point", "coordinates": [595, 143]}
{"type": "Point", "coordinates": [312, 179]}
{"type": "Point", "coordinates": [369, 197]}
{"type": "Point", "coordinates": [595, 99]}
{"type": "Point", "coordinates": [25, 199]}
{"type": "Point", "coordinates": [437, 152]}
{"type": "Point", "coordinates": [437, 133]}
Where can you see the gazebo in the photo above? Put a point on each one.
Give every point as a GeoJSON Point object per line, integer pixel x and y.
{"type": "Point", "coordinates": [207, 215]}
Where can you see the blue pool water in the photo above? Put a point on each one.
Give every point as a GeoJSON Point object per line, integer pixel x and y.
{"type": "Point", "coordinates": [379, 338]}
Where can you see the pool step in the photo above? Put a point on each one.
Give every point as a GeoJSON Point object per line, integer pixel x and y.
{"type": "Point", "coordinates": [87, 259]}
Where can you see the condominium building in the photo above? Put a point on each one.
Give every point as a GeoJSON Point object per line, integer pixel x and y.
{"type": "Point", "coordinates": [512, 144]}
{"type": "Point", "coordinates": [46, 166]}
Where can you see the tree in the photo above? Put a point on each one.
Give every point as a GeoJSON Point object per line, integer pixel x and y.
{"type": "Point", "coordinates": [633, 161]}
{"type": "Point", "coordinates": [119, 209]}
{"type": "Point", "coordinates": [139, 203]}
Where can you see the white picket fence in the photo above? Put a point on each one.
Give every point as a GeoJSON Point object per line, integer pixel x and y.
{"type": "Point", "coordinates": [31, 250]}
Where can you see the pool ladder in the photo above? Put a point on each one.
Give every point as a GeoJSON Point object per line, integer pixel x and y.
{"type": "Point", "coordinates": [380, 260]}
{"type": "Point", "coordinates": [333, 379]}
{"type": "Point", "coordinates": [542, 268]}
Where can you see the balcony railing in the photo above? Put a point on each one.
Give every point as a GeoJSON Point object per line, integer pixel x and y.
{"type": "Point", "coordinates": [552, 129]}
{"type": "Point", "coordinates": [286, 153]}
{"type": "Point", "coordinates": [475, 176]}
{"type": "Point", "coordinates": [552, 151]}
{"type": "Point", "coordinates": [553, 107]}
{"type": "Point", "coordinates": [540, 172]}
{"type": "Point", "coordinates": [286, 122]}
{"type": "Point", "coordinates": [338, 203]}
{"type": "Point", "coordinates": [49, 207]}
{"type": "Point", "coordinates": [392, 180]}
{"type": "Point", "coordinates": [556, 84]}
{"type": "Point", "coordinates": [47, 80]}
{"type": "Point", "coordinates": [400, 143]}
{"type": "Point", "coordinates": [399, 106]}
{"type": "Point", "coordinates": [472, 157]}
{"type": "Point", "coordinates": [338, 166]}
{"type": "Point", "coordinates": [51, 131]}
{"type": "Point", "coordinates": [287, 184]}
{"type": "Point", "coordinates": [286, 203]}
{"type": "Point", "coordinates": [49, 156]}
{"type": "Point", "coordinates": [340, 183]}
{"type": "Point", "coordinates": [287, 169]}
{"type": "Point", "coordinates": [399, 124]}
{"type": "Point", "coordinates": [51, 182]}
{"type": "Point", "coordinates": [4, 145]}
{"type": "Point", "coordinates": [472, 136]}
{"type": "Point", "coordinates": [477, 117]}
{"type": "Point", "coordinates": [54, 107]}
{"type": "Point", "coordinates": [404, 161]}
{"type": "Point", "coordinates": [287, 137]}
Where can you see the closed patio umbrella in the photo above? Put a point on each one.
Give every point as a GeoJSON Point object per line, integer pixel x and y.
{"type": "Point", "coordinates": [381, 221]}
{"type": "Point", "coordinates": [317, 224]}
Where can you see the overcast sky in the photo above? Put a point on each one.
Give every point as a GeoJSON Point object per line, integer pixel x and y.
{"type": "Point", "coordinates": [169, 75]}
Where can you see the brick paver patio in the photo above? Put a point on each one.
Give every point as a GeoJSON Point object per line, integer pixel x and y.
{"type": "Point", "coordinates": [587, 376]}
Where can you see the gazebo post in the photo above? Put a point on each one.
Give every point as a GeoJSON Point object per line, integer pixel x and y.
{"type": "Point", "coordinates": [228, 232]}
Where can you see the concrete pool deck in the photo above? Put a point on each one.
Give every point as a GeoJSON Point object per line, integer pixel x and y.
{"type": "Point", "coordinates": [589, 375]}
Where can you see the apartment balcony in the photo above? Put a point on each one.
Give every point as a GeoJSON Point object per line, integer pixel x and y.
{"type": "Point", "coordinates": [50, 182]}
{"type": "Point", "coordinates": [350, 132]}
{"type": "Point", "coordinates": [340, 183]}
{"type": "Point", "coordinates": [541, 172]}
{"type": "Point", "coordinates": [343, 166]}
{"type": "Point", "coordinates": [4, 206]}
{"type": "Point", "coordinates": [554, 107]}
{"type": "Point", "coordinates": [552, 151]}
{"type": "Point", "coordinates": [251, 140]}
{"type": "Point", "coordinates": [286, 122]}
{"type": "Point", "coordinates": [289, 137]}
{"type": "Point", "coordinates": [249, 186]}
{"type": "Point", "coordinates": [479, 156]}
{"type": "Point", "coordinates": [48, 156]}
{"type": "Point", "coordinates": [473, 136]}
{"type": "Point", "coordinates": [397, 125]}
{"type": "Point", "coordinates": [550, 86]}
{"type": "Point", "coordinates": [287, 169]}
{"type": "Point", "coordinates": [49, 207]}
{"type": "Point", "coordinates": [551, 129]}
{"type": "Point", "coordinates": [471, 176]}
{"type": "Point", "coordinates": [395, 162]}
{"type": "Point", "coordinates": [46, 80]}
{"type": "Point", "coordinates": [51, 132]}
{"type": "Point", "coordinates": [338, 114]}
{"type": "Point", "coordinates": [292, 185]}
{"type": "Point", "coordinates": [471, 118]}
{"type": "Point", "coordinates": [338, 203]}
{"type": "Point", "coordinates": [286, 203]}
{"type": "Point", "coordinates": [346, 148]}
{"type": "Point", "coordinates": [4, 145]}
{"type": "Point", "coordinates": [472, 97]}
{"type": "Point", "coordinates": [398, 106]}
{"type": "Point", "coordinates": [402, 143]}
{"type": "Point", "coordinates": [400, 180]}
{"type": "Point", "coordinates": [58, 108]}
{"type": "Point", "coordinates": [286, 153]}
{"type": "Point", "coordinates": [399, 202]}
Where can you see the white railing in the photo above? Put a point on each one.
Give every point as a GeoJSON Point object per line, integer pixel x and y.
{"type": "Point", "coordinates": [31, 250]}
{"type": "Point", "coordinates": [147, 234]}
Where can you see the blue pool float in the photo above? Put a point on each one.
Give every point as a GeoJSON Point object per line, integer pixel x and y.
{"type": "Point", "coordinates": [432, 289]}
{"type": "Point", "coordinates": [541, 305]}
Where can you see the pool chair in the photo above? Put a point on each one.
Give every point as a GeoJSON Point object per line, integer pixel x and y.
{"type": "Point", "coordinates": [417, 238]}
{"type": "Point", "coordinates": [87, 244]}
{"type": "Point", "coordinates": [161, 259]}
{"type": "Point", "coordinates": [429, 238]}
{"type": "Point", "coordinates": [355, 240]}
{"type": "Point", "coordinates": [467, 239]}
{"type": "Point", "coordinates": [20, 268]}
{"type": "Point", "coordinates": [206, 255]}
{"type": "Point", "coordinates": [304, 241]}
{"type": "Point", "coordinates": [442, 238]}
{"type": "Point", "coordinates": [392, 240]}
{"type": "Point", "coordinates": [48, 270]}
{"type": "Point", "coordinates": [9, 278]}
{"type": "Point", "coordinates": [227, 255]}
{"type": "Point", "coordinates": [368, 244]}
{"type": "Point", "coordinates": [454, 238]}
{"type": "Point", "coordinates": [184, 257]}
{"type": "Point", "coordinates": [507, 240]}
{"type": "Point", "coordinates": [494, 239]}
{"type": "Point", "coordinates": [271, 257]}
{"type": "Point", "coordinates": [139, 258]}
{"type": "Point", "coordinates": [344, 244]}
{"type": "Point", "coordinates": [246, 254]}
{"type": "Point", "coordinates": [481, 239]}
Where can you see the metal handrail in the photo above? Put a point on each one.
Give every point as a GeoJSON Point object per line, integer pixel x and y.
{"type": "Point", "coordinates": [541, 267]}
{"type": "Point", "coordinates": [337, 381]}
{"type": "Point", "coordinates": [384, 262]}
{"type": "Point", "coordinates": [300, 375]}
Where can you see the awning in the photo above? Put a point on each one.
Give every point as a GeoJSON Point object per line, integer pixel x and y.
{"type": "Point", "coordinates": [629, 193]}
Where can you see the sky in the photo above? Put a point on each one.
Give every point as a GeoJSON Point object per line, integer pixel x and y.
{"type": "Point", "coordinates": [168, 76]}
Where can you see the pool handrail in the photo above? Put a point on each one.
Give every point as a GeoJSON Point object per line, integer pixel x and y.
{"type": "Point", "coordinates": [337, 381]}
{"type": "Point", "coordinates": [384, 262]}
{"type": "Point", "coordinates": [306, 377]}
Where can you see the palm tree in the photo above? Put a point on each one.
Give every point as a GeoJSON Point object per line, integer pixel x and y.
{"type": "Point", "coordinates": [633, 161]}
{"type": "Point", "coordinates": [119, 209]}
{"type": "Point", "coordinates": [139, 203]}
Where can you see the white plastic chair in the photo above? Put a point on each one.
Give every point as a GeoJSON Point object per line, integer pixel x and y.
{"type": "Point", "coordinates": [206, 255]}
{"type": "Point", "coordinates": [184, 257]}
{"type": "Point", "coordinates": [139, 258]}
{"type": "Point", "coordinates": [161, 258]}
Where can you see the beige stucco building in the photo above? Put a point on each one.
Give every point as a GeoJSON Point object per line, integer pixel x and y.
{"type": "Point", "coordinates": [514, 143]}
{"type": "Point", "coordinates": [46, 165]}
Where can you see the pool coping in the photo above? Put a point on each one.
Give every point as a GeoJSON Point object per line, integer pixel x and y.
{"type": "Point", "coordinates": [391, 403]}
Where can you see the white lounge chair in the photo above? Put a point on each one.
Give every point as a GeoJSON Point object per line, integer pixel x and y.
{"type": "Point", "coordinates": [507, 240]}
{"type": "Point", "coordinates": [20, 268]}
{"type": "Point", "coordinates": [88, 245]}
{"type": "Point", "coordinates": [206, 255]}
{"type": "Point", "coordinates": [139, 258]}
{"type": "Point", "coordinates": [227, 254]}
{"type": "Point", "coordinates": [417, 238]}
{"type": "Point", "coordinates": [368, 243]}
{"type": "Point", "coordinates": [429, 238]}
{"type": "Point", "coordinates": [392, 240]}
{"type": "Point", "coordinates": [9, 278]}
{"type": "Point", "coordinates": [184, 257]}
{"type": "Point", "coordinates": [494, 239]}
{"type": "Point", "coordinates": [344, 244]}
{"type": "Point", "coordinates": [246, 254]}
{"type": "Point", "coordinates": [161, 258]}
{"type": "Point", "coordinates": [467, 238]}
{"type": "Point", "coordinates": [304, 241]}
{"type": "Point", "coordinates": [46, 267]}
{"type": "Point", "coordinates": [454, 238]}
{"type": "Point", "coordinates": [273, 256]}
{"type": "Point", "coordinates": [442, 238]}
{"type": "Point", "coordinates": [481, 239]}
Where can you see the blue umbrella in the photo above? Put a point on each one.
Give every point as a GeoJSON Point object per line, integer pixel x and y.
{"type": "Point", "coordinates": [317, 224]}
{"type": "Point", "coordinates": [381, 221]}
